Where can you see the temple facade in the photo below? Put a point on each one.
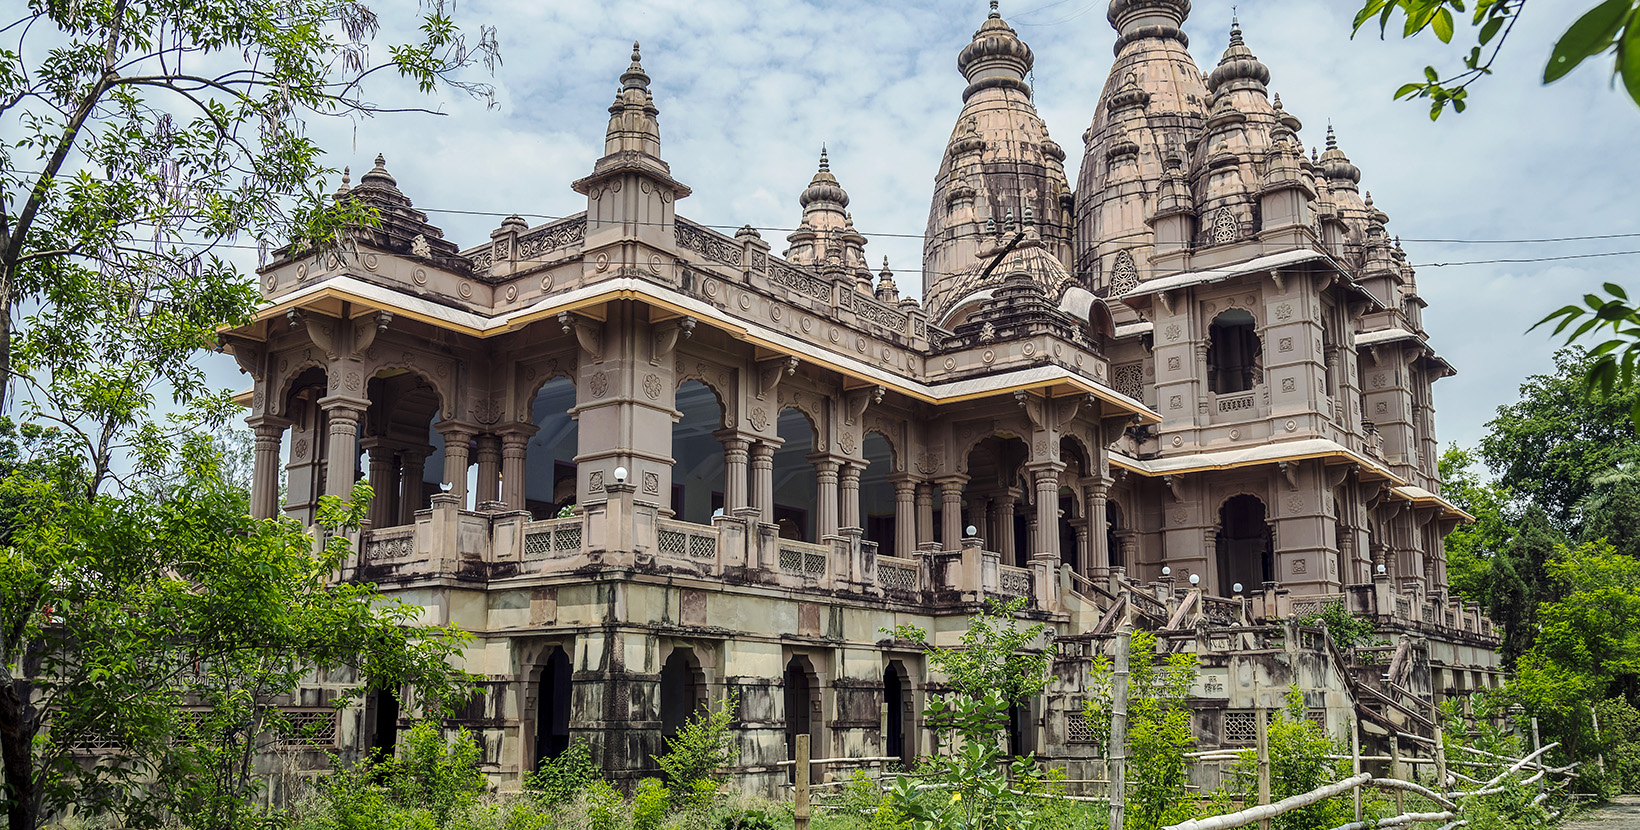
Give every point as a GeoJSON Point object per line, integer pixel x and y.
{"type": "Point", "coordinates": [649, 464]}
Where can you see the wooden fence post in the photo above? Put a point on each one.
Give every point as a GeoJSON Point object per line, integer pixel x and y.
{"type": "Point", "coordinates": [800, 806]}
{"type": "Point", "coordinates": [1395, 771]}
{"type": "Point", "coordinates": [1355, 757]}
{"type": "Point", "coordinates": [1440, 756]}
{"type": "Point", "coordinates": [1261, 734]}
{"type": "Point", "coordinates": [1117, 772]}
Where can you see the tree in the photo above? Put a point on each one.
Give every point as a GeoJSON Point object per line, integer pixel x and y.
{"type": "Point", "coordinates": [1470, 547]}
{"type": "Point", "coordinates": [1158, 730]}
{"type": "Point", "coordinates": [1551, 446]}
{"type": "Point", "coordinates": [1588, 644]}
{"type": "Point", "coordinates": [995, 655]}
{"type": "Point", "coordinates": [164, 632]}
{"type": "Point", "coordinates": [1612, 512]}
{"type": "Point", "coordinates": [1611, 26]}
{"type": "Point", "coordinates": [151, 137]}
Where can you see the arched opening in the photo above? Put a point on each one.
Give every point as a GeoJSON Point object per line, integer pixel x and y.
{"type": "Point", "coordinates": [1069, 517]}
{"type": "Point", "coordinates": [403, 405]}
{"type": "Point", "coordinates": [1246, 550]}
{"type": "Point", "coordinates": [697, 454]}
{"type": "Point", "coordinates": [552, 706]}
{"type": "Point", "coordinates": [898, 714]}
{"type": "Point", "coordinates": [305, 468]}
{"type": "Point", "coordinates": [1235, 358]}
{"type": "Point", "coordinates": [1114, 526]}
{"type": "Point", "coordinates": [877, 494]}
{"type": "Point", "coordinates": [795, 490]}
{"type": "Point", "coordinates": [802, 687]}
{"type": "Point", "coordinates": [997, 501]}
{"type": "Point", "coordinates": [1021, 729]}
{"type": "Point", "coordinates": [683, 687]}
{"type": "Point", "coordinates": [549, 459]}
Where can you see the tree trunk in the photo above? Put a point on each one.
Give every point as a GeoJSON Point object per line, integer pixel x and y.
{"type": "Point", "coordinates": [16, 756]}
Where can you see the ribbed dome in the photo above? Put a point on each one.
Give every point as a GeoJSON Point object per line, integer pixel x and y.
{"type": "Point", "coordinates": [996, 57]}
{"type": "Point", "coordinates": [824, 186]}
{"type": "Point", "coordinates": [1335, 165]}
{"type": "Point", "coordinates": [1238, 64]}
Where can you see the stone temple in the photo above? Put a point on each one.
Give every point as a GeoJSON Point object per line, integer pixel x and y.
{"type": "Point", "coordinates": [648, 464]}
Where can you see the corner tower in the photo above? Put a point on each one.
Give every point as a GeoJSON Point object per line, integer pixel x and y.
{"type": "Point", "coordinates": [1153, 104]}
{"type": "Point", "coordinates": [999, 162]}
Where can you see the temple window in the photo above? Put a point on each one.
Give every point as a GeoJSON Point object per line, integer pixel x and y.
{"type": "Point", "coordinates": [1234, 355]}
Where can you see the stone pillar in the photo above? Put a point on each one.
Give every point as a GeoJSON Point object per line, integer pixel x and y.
{"type": "Point", "coordinates": [825, 494]}
{"type": "Point", "coordinates": [1096, 527]}
{"type": "Point", "coordinates": [269, 431]}
{"type": "Point", "coordinates": [412, 463]}
{"type": "Point", "coordinates": [1046, 479]}
{"type": "Point", "coordinates": [763, 479]}
{"type": "Point", "coordinates": [342, 457]}
{"type": "Point", "coordinates": [925, 512]}
{"type": "Point", "coordinates": [951, 512]}
{"type": "Point", "coordinates": [489, 470]}
{"type": "Point", "coordinates": [1083, 554]}
{"type": "Point", "coordinates": [456, 437]}
{"type": "Point", "coordinates": [380, 475]}
{"type": "Point", "coordinates": [736, 451]}
{"type": "Point", "coordinates": [1005, 545]}
{"type": "Point", "coordinates": [993, 523]}
{"type": "Point", "coordinates": [515, 442]}
{"type": "Point", "coordinates": [905, 515]}
{"type": "Point", "coordinates": [848, 496]}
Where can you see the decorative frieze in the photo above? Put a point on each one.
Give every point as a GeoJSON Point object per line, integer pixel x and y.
{"type": "Point", "coordinates": [710, 245]}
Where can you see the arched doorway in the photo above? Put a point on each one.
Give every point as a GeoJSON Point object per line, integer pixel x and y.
{"type": "Point", "coordinates": [1246, 550]}
{"type": "Point", "coordinates": [384, 734]}
{"type": "Point", "coordinates": [308, 442]}
{"type": "Point", "coordinates": [403, 406]}
{"type": "Point", "coordinates": [697, 455]}
{"type": "Point", "coordinates": [549, 458]}
{"type": "Point", "coordinates": [1113, 533]}
{"type": "Point", "coordinates": [899, 716]}
{"type": "Point", "coordinates": [803, 715]}
{"type": "Point", "coordinates": [795, 489]}
{"type": "Point", "coordinates": [552, 706]}
{"type": "Point", "coordinates": [682, 690]}
{"type": "Point", "coordinates": [877, 494]}
{"type": "Point", "coordinates": [998, 499]}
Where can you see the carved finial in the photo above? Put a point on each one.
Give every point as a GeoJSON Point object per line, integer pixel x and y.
{"type": "Point", "coordinates": [994, 12]}
{"type": "Point", "coordinates": [1277, 102]}
{"type": "Point", "coordinates": [1369, 198]}
{"type": "Point", "coordinates": [1235, 30]}
{"type": "Point", "coordinates": [1332, 140]}
{"type": "Point", "coordinates": [381, 161]}
{"type": "Point", "coordinates": [1030, 217]}
{"type": "Point", "coordinates": [1008, 221]}
{"type": "Point", "coordinates": [991, 225]}
{"type": "Point", "coordinates": [345, 178]}
{"type": "Point", "coordinates": [825, 164]}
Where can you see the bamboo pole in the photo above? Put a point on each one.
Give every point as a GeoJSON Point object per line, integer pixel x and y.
{"type": "Point", "coordinates": [1600, 755]}
{"type": "Point", "coordinates": [1118, 728]}
{"type": "Point", "coordinates": [1355, 750]}
{"type": "Point", "coordinates": [1267, 811]}
{"type": "Point", "coordinates": [800, 798]}
{"type": "Point", "coordinates": [1395, 772]}
{"type": "Point", "coordinates": [1261, 732]}
{"type": "Point", "coordinates": [1440, 757]}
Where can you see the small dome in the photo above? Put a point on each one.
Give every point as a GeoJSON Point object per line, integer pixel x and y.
{"type": "Point", "coordinates": [823, 187]}
{"type": "Point", "coordinates": [1335, 165]}
{"type": "Point", "coordinates": [995, 44]}
{"type": "Point", "coordinates": [1238, 64]}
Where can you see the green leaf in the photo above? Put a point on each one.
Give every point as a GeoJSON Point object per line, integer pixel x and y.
{"type": "Point", "coordinates": [1490, 30]}
{"type": "Point", "coordinates": [1628, 57]}
{"type": "Point", "coordinates": [1443, 25]}
{"type": "Point", "coordinates": [1407, 89]}
{"type": "Point", "coordinates": [1590, 35]}
{"type": "Point", "coordinates": [1433, 76]}
{"type": "Point", "coordinates": [1616, 290]}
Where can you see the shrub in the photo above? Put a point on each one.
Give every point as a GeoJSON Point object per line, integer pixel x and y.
{"type": "Point", "coordinates": [649, 804]}
{"type": "Point", "coordinates": [439, 775]}
{"type": "Point", "coordinates": [604, 806]}
{"type": "Point", "coordinates": [561, 779]}
{"type": "Point", "coordinates": [1298, 764]}
{"type": "Point", "coordinates": [695, 755]}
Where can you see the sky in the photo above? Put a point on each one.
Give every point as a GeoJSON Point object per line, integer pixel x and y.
{"type": "Point", "coordinates": [748, 92]}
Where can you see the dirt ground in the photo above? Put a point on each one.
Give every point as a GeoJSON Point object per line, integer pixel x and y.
{"type": "Point", "coordinates": [1622, 813]}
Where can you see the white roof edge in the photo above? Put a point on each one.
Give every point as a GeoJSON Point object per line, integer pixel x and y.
{"type": "Point", "coordinates": [950, 389]}
{"type": "Point", "coordinates": [1133, 329]}
{"type": "Point", "coordinates": [1368, 338]}
{"type": "Point", "coordinates": [1250, 455]}
{"type": "Point", "coordinates": [1262, 263]}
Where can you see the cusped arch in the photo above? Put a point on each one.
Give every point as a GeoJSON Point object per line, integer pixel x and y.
{"type": "Point", "coordinates": [538, 378]}
{"type": "Point", "coordinates": [726, 417]}
{"type": "Point", "coordinates": [440, 386]}
{"type": "Point", "coordinates": [809, 417]}
{"type": "Point", "coordinates": [285, 378]}
{"type": "Point", "coordinates": [896, 459]}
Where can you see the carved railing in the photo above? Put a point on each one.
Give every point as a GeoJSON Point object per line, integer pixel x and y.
{"type": "Point", "coordinates": [708, 243]}
{"type": "Point", "coordinates": [388, 544]}
{"type": "Point", "coordinates": [689, 542]}
{"type": "Point", "coordinates": [1311, 604]}
{"type": "Point", "coordinates": [895, 574]}
{"type": "Point", "coordinates": [552, 538]}
{"type": "Point", "coordinates": [1239, 402]}
{"type": "Point", "coordinates": [1221, 611]}
{"type": "Point", "coordinates": [1013, 582]}
{"type": "Point", "coordinates": [804, 559]}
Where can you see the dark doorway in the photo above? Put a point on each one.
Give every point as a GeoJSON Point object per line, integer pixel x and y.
{"type": "Point", "coordinates": [897, 702]}
{"type": "Point", "coordinates": [385, 735]}
{"type": "Point", "coordinates": [802, 707]}
{"type": "Point", "coordinates": [1020, 733]}
{"type": "Point", "coordinates": [1246, 550]}
{"type": "Point", "coordinates": [1113, 538]}
{"type": "Point", "coordinates": [552, 707]}
{"type": "Point", "coordinates": [681, 685]}
{"type": "Point", "coordinates": [1067, 530]}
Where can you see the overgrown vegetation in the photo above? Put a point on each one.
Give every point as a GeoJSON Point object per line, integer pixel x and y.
{"type": "Point", "coordinates": [1158, 730]}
